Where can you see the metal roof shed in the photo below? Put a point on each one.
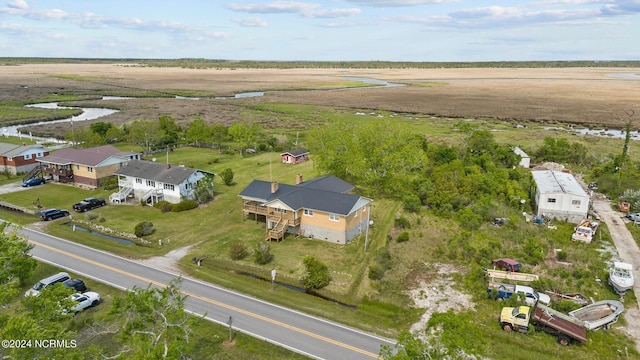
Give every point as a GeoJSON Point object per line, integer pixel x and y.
{"type": "Point", "coordinates": [559, 195]}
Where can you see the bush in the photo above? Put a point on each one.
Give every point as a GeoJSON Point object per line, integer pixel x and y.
{"type": "Point", "coordinates": [163, 205]}
{"type": "Point", "coordinates": [262, 253]}
{"type": "Point", "coordinates": [227, 176]}
{"type": "Point", "coordinates": [561, 255]}
{"type": "Point", "coordinates": [404, 236]}
{"type": "Point", "coordinates": [376, 272]}
{"type": "Point", "coordinates": [143, 228]}
{"type": "Point", "coordinates": [184, 205]}
{"type": "Point", "coordinates": [110, 183]}
{"type": "Point", "coordinates": [91, 216]}
{"type": "Point", "coordinates": [402, 223]}
{"type": "Point", "coordinates": [316, 275]}
{"type": "Point", "coordinates": [238, 251]}
{"type": "Point", "coordinates": [411, 203]}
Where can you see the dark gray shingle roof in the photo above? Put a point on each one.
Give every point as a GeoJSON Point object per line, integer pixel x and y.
{"type": "Point", "coordinates": [151, 170]}
{"type": "Point", "coordinates": [325, 193]}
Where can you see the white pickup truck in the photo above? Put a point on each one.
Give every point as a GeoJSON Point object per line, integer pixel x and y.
{"type": "Point", "coordinates": [504, 291]}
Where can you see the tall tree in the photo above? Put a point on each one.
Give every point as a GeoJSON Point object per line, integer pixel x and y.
{"type": "Point", "coordinates": [219, 133]}
{"type": "Point", "coordinates": [245, 133]}
{"type": "Point", "coordinates": [172, 131]}
{"type": "Point", "coordinates": [16, 264]}
{"type": "Point", "coordinates": [155, 324]}
{"type": "Point", "coordinates": [146, 133]}
{"type": "Point", "coordinates": [198, 132]}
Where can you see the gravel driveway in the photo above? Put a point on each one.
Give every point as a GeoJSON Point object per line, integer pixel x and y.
{"type": "Point", "coordinates": [628, 252]}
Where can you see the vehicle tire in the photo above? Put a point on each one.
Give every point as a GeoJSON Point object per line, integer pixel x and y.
{"type": "Point", "coordinates": [564, 340]}
{"type": "Point", "coordinates": [507, 327]}
{"type": "Point", "coordinates": [48, 218]}
{"type": "Point", "coordinates": [94, 303]}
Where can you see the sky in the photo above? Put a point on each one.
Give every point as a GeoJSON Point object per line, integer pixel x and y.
{"type": "Point", "coordinates": [323, 30]}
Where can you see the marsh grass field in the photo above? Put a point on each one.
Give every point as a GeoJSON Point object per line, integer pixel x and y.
{"type": "Point", "coordinates": [521, 106]}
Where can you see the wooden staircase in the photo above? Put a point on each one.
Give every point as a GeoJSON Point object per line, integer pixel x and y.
{"type": "Point", "coordinates": [278, 231]}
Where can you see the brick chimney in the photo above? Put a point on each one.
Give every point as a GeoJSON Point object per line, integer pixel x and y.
{"type": "Point", "coordinates": [274, 187]}
{"type": "Point", "coordinates": [298, 179]}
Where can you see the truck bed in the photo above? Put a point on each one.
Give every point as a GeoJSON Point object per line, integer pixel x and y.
{"type": "Point", "coordinates": [561, 322]}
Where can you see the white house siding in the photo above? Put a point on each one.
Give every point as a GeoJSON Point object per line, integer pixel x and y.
{"type": "Point", "coordinates": [559, 195]}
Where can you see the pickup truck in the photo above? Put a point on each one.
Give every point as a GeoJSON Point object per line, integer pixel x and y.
{"type": "Point", "coordinates": [89, 204]}
{"type": "Point", "coordinates": [585, 231]}
{"type": "Point", "coordinates": [543, 318]}
{"type": "Point", "coordinates": [504, 291]}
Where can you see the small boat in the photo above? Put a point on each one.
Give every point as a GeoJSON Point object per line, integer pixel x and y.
{"type": "Point", "coordinates": [621, 277]}
{"type": "Point", "coordinates": [599, 314]}
{"type": "Point", "coordinates": [574, 297]}
{"type": "Point", "coordinates": [510, 275]}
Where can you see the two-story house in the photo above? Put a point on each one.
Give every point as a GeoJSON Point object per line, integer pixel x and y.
{"type": "Point", "coordinates": [321, 208]}
{"type": "Point", "coordinates": [86, 167]}
{"type": "Point", "coordinates": [152, 182]}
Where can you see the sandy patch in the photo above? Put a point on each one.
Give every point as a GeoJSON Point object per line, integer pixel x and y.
{"type": "Point", "coordinates": [169, 261]}
{"type": "Point", "coordinates": [437, 296]}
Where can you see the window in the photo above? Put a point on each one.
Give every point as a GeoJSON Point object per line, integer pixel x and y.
{"type": "Point", "coordinates": [138, 181]}
{"type": "Point", "coordinates": [334, 217]}
{"type": "Point", "coordinates": [278, 210]}
{"type": "Point", "coordinates": [89, 169]}
{"type": "Point", "coordinates": [308, 212]}
{"type": "Point", "coordinates": [77, 167]}
{"type": "Point", "coordinates": [151, 183]}
{"type": "Point", "coordinates": [551, 200]}
{"type": "Point", "coordinates": [39, 155]}
{"type": "Point", "coordinates": [575, 202]}
{"type": "Point", "coordinates": [169, 187]}
{"type": "Point", "coordinates": [27, 156]}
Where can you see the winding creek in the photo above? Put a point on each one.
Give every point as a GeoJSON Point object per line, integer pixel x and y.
{"type": "Point", "coordinates": [96, 113]}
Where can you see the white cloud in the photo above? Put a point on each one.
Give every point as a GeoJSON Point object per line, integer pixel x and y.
{"type": "Point", "coordinates": [398, 3]}
{"type": "Point", "coordinates": [310, 10]}
{"type": "Point", "coordinates": [18, 4]}
{"type": "Point", "coordinates": [254, 21]}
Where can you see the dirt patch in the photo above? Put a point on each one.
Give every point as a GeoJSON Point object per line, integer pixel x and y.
{"type": "Point", "coordinates": [169, 261]}
{"type": "Point", "coordinates": [437, 295]}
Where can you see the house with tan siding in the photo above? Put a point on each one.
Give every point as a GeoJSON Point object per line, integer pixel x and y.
{"type": "Point", "coordinates": [85, 167]}
{"type": "Point", "coordinates": [322, 208]}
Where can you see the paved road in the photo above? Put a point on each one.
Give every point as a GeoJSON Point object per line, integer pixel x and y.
{"type": "Point", "coordinates": [314, 337]}
{"type": "Point", "coordinates": [628, 252]}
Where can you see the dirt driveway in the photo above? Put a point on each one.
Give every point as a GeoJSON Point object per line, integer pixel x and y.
{"type": "Point", "coordinates": [628, 252]}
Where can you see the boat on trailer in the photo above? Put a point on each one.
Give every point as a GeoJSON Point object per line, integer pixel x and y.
{"type": "Point", "coordinates": [621, 277]}
{"type": "Point", "coordinates": [600, 314]}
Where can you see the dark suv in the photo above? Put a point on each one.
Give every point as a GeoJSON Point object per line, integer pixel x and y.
{"type": "Point", "coordinates": [51, 214]}
{"type": "Point", "coordinates": [76, 284]}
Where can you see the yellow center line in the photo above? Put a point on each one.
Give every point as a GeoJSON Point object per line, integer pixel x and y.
{"type": "Point", "coordinates": [254, 315]}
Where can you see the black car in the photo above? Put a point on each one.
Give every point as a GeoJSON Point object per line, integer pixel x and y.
{"type": "Point", "coordinates": [51, 214]}
{"type": "Point", "coordinates": [76, 284]}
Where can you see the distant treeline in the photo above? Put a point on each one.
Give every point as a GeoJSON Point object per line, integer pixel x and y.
{"type": "Point", "coordinates": [192, 63]}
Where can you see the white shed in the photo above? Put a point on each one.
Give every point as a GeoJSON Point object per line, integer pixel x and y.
{"type": "Point", "coordinates": [525, 160]}
{"type": "Point", "coordinates": [559, 195]}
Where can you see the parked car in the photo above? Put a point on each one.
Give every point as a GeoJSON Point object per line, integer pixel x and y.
{"type": "Point", "coordinates": [51, 214]}
{"type": "Point", "coordinates": [46, 282]}
{"type": "Point", "coordinates": [85, 300]}
{"type": "Point", "coordinates": [633, 216]}
{"type": "Point", "coordinates": [33, 182]}
{"type": "Point", "coordinates": [89, 204]}
{"type": "Point", "coordinates": [76, 284]}
{"type": "Point", "coordinates": [507, 264]}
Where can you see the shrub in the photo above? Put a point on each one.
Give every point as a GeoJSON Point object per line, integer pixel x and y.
{"type": "Point", "coordinates": [561, 255]}
{"type": "Point", "coordinates": [238, 251]}
{"type": "Point", "coordinates": [213, 161]}
{"type": "Point", "coordinates": [91, 216]}
{"type": "Point", "coordinates": [376, 272]}
{"type": "Point", "coordinates": [184, 205]}
{"type": "Point", "coordinates": [411, 203]}
{"type": "Point", "coordinates": [316, 275]}
{"type": "Point", "coordinates": [163, 205]}
{"type": "Point", "coordinates": [404, 236]}
{"type": "Point", "coordinates": [143, 228]}
{"type": "Point", "coordinates": [262, 253]}
{"type": "Point", "coordinates": [110, 183]}
{"type": "Point", "coordinates": [227, 176]}
{"type": "Point", "coordinates": [402, 223]}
